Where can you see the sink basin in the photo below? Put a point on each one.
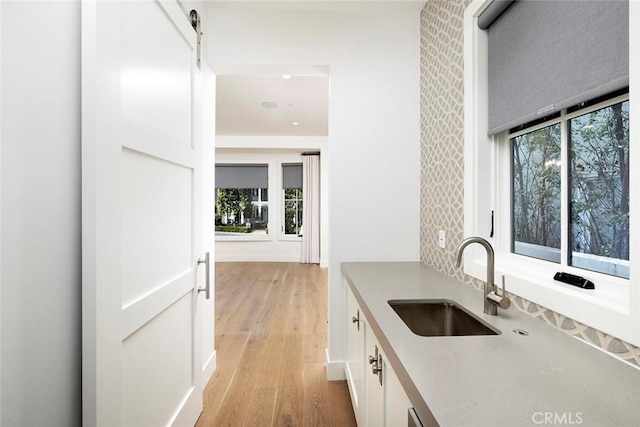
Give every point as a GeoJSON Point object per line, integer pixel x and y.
{"type": "Point", "coordinates": [440, 318]}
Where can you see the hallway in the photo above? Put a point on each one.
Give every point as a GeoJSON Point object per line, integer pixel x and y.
{"type": "Point", "coordinates": [271, 340]}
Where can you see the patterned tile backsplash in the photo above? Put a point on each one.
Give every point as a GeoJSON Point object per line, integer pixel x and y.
{"type": "Point", "coordinates": [442, 162]}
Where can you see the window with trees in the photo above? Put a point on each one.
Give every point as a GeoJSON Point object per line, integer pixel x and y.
{"type": "Point", "coordinates": [594, 184]}
{"type": "Point", "coordinates": [242, 199]}
{"type": "Point", "coordinates": [292, 199]}
{"type": "Point", "coordinates": [293, 211]}
{"type": "Point", "coordinates": [555, 195]}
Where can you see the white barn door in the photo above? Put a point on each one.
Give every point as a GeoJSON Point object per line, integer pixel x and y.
{"type": "Point", "coordinates": [142, 215]}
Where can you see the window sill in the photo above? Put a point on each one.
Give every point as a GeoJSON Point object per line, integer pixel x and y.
{"type": "Point", "coordinates": [290, 238]}
{"type": "Point", "coordinates": [244, 238]}
{"type": "Point", "coordinates": [608, 304]}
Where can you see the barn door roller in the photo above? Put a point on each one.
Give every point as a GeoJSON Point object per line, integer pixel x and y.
{"type": "Point", "coordinates": [195, 23]}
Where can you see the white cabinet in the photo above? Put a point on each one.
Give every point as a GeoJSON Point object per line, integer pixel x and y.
{"type": "Point", "coordinates": [376, 393]}
{"type": "Point", "coordinates": [397, 403]}
{"type": "Point", "coordinates": [375, 380]}
{"type": "Point", "coordinates": [355, 355]}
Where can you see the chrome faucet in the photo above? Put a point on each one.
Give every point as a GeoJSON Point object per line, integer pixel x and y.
{"type": "Point", "coordinates": [491, 298]}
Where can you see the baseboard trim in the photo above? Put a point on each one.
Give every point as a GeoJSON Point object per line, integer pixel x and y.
{"type": "Point", "coordinates": [209, 367]}
{"type": "Point", "coordinates": [335, 369]}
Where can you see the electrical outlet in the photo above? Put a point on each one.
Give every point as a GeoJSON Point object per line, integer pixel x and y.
{"type": "Point", "coordinates": [441, 239]}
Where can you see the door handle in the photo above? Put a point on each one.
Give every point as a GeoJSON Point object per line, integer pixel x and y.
{"type": "Point", "coordinates": [356, 319]}
{"type": "Point", "coordinates": [207, 280]}
{"type": "Point", "coordinates": [376, 364]}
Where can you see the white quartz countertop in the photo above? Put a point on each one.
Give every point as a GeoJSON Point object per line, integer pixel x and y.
{"type": "Point", "coordinates": [545, 378]}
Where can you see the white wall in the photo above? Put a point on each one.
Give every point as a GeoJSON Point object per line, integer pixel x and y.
{"type": "Point", "coordinates": [273, 150]}
{"type": "Point", "coordinates": [40, 228]}
{"type": "Point", "coordinates": [40, 264]}
{"type": "Point", "coordinates": [373, 144]}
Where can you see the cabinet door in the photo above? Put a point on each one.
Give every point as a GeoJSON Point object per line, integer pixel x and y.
{"type": "Point", "coordinates": [396, 400]}
{"type": "Point", "coordinates": [375, 403]}
{"type": "Point", "coordinates": [374, 407]}
{"type": "Point", "coordinates": [355, 356]}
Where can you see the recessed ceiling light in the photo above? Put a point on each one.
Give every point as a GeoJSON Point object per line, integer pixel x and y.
{"type": "Point", "coordinates": [295, 123]}
{"type": "Point", "coordinates": [286, 76]}
{"type": "Point", "coordinates": [269, 104]}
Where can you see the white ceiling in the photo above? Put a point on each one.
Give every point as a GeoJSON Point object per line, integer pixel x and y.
{"type": "Point", "coordinates": [378, 6]}
{"type": "Point", "coordinates": [302, 99]}
{"type": "Point", "coordinates": [241, 89]}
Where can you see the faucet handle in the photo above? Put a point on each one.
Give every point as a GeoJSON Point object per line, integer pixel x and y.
{"type": "Point", "coordinates": [501, 301]}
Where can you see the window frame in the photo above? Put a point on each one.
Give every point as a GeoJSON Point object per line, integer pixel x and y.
{"type": "Point", "coordinates": [248, 237]}
{"type": "Point", "coordinates": [282, 236]}
{"type": "Point", "coordinates": [614, 306]}
{"type": "Point", "coordinates": [503, 141]}
{"type": "Point", "coordinates": [503, 162]}
{"type": "Point", "coordinates": [286, 236]}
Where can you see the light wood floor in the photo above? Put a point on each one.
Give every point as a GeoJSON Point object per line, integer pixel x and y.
{"type": "Point", "coordinates": [270, 329]}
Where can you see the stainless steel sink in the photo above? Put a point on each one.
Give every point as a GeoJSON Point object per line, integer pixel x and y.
{"type": "Point", "coordinates": [440, 318]}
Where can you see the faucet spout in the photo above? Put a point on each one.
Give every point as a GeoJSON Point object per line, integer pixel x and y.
{"type": "Point", "coordinates": [489, 286]}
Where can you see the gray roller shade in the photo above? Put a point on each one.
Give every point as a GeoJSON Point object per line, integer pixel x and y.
{"type": "Point", "coordinates": [292, 175]}
{"type": "Point", "coordinates": [492, 12]}
{"type": "Point", "coordinates": [548, 55]}
{"type": "Point", "coordinates": [242, 176]}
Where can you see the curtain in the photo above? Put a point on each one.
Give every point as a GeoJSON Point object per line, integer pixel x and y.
{"type": "Point", "coordinates": [311, 209]}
